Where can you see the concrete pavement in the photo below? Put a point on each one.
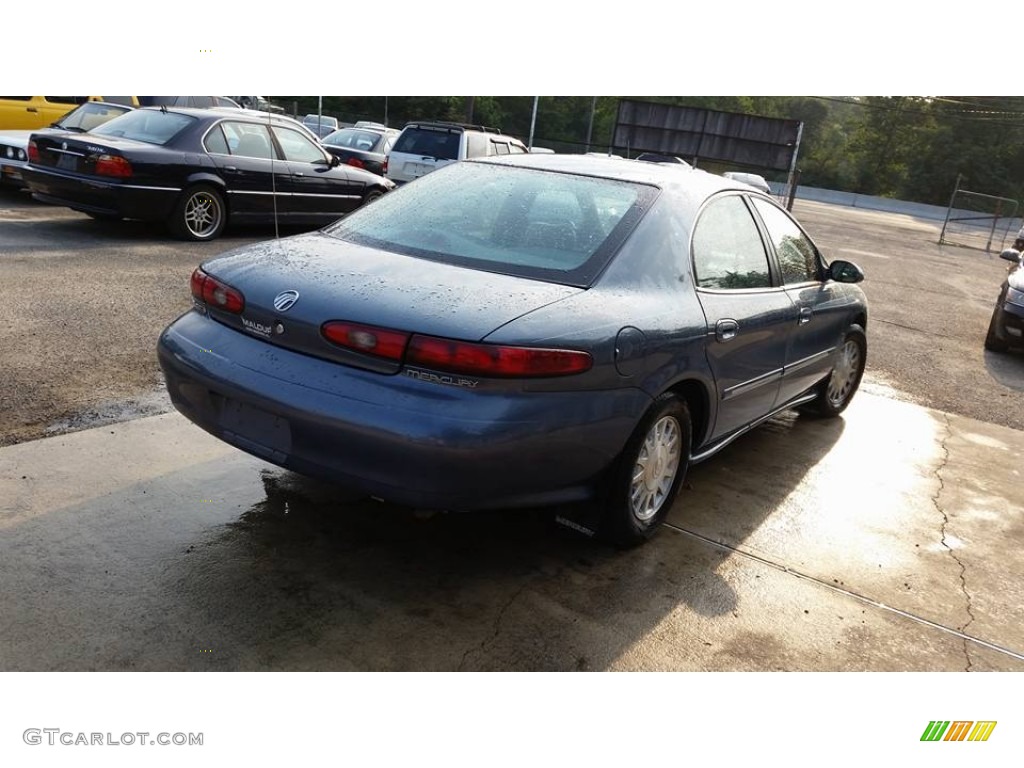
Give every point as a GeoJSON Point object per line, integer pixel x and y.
{"type": "Point", "coordinates": [889, 539]}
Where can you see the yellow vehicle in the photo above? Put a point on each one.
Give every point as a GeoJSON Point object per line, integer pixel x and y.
{"type": "Point", "coordinates": [31, 112]}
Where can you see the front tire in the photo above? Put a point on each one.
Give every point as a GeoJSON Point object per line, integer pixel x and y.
{"type": "Point", "coordinates": [992, 341]}
{"type": "Point", "coordinates": [199, 215]}
{"type": "Point", "coordinates": [375, 194]}
{"type": "Point", "coordinates": [836, 392]}
{"type": "Point", "coordinates": [647, 476]}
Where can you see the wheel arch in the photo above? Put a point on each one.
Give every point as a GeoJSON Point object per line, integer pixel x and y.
{"type": "Point", "coordinates": [698, 401]}
{"type": "Point", "coordinates": [215, 181]}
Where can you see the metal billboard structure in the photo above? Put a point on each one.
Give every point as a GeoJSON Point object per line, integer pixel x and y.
{"type": "Point", "coordinates": [695, 134]}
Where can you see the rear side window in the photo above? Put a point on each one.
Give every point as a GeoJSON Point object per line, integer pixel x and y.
{"type": "Point", "coordinates": [249, 140]}
{"type": "Point", "coordinates": [150, 126]}
{"type": "Point", "coordinates": [439, 143]}
{"type": "Point", "coordinates": [728, 252]}
{"type": "Point", "coordinates": [477, 145]}
{"type": "Point", "coordinates": [552, 226]}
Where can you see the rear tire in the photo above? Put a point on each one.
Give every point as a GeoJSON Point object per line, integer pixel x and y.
{"type": "Point", "coordinates": [199, 215]}
{"type": "Point", "coordinates": [647, 476]}
{"type": "Point", "coordinates": [992, 341]}
{"type": "Point", "coordinates": [836, 392]}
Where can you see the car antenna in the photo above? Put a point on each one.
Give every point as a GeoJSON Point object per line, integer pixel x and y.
{"type": "Point", "coordinates": [273, 180]}
{"type": "Point", "coordinates": [163, 108]}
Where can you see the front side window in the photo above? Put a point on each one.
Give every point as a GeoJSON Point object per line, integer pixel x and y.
{"type": "Point", "coordinates": [297, 147]}
{"type": "Point", "coordinates": [728, 252]}
{"type": "Point", "coordinates": [798, 259]}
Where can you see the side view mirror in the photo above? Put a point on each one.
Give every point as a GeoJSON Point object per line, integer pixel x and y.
{"type": "Point", "coordinates": [845, 272]}
{"type": "Point", "coordinates": [335, 160]}
{"type": "Point", "coordinates": [1011, 254]}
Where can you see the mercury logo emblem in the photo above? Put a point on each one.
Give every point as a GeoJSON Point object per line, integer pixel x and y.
{"type": "Point", "coordinates": [285, 300]}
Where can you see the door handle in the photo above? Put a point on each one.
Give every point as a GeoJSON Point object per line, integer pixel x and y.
{"type": "Point", "coordinates": [31, 109]}
{"type": "Point", "coordinates": [725, 330]}
{"type": "Point", "coordinates": [805, 315]}
{"type": "Point", "coordinates": [230, 168]}
{"type": "Point", "coordinates": [299, 173]}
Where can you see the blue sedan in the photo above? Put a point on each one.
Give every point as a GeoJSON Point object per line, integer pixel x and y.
{"type": "Point", "coordinates": [521, 331]}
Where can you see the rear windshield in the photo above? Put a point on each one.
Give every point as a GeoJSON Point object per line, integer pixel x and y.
{"type": "Point", "coordinates": [149, 125]}
{"type": "Point", "coordinates": [557, 227]}
{"type": "Point", "coordinates": [439, 143]}
{"type": "Point", "coordinates": [354, 138]}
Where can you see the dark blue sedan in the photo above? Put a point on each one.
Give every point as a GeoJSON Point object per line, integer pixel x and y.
{"type": "Point", "coordinates": [522, 331]}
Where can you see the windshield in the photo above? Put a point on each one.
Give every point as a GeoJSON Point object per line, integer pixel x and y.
{"type": "Point", "coordinates": [90, 115]}
{"type": "Point", "coordinates": [552, 226]}
{"type": "Point", "coordinates": [152, 126]}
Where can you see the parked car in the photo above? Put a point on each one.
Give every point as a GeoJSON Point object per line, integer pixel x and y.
{"type": "Point", "coordinates": [654, 157]}
{"type": "Point", "coordinates": [519, 331]}
{"type": "Point", "coordinates": [753, 179]}
{"type": "Point", "coordinates": [321, 125]}
{"type": "Point", "coordinates": [27, 113]}
{"type": "Point", "coordinates": [83, 118]}
{"type": "Point", "coordinates": [198, 102]}
{"type": "Point", "coordinates": [365, 147]}
{"type": "Point", "coordinates": [425, 147]}
{"type": "Point", "coordinates": [196, 170]}
{"type": "Point", "coordinates": [258, 103]}
{"type": "Point", "coordinates": [1006, 329]}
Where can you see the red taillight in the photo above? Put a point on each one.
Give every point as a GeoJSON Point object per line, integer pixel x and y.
{"type": "Point", "coordinates": [379, 342]}
{"type": "Point", "coordinates": [452, 356]}
{"type": "Point", "coordinates": [212, 292]}
{"type": "Point", "coordinates": [356, 162]}
{"type": "Point", "coordinates": [495, 360]}
{"type": "Point", "coordinates": [33, 152]}
{"type": "Point", "coordinates": [384, 170]}
{"type": "Point", "coordinates": [113, 165]}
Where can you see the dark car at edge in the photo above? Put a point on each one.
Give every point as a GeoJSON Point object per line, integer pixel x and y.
{"type": "Point", "coordinates": [362, 146]}
{"type": "Point", "coordinates": [522, 331]}
{"type": "Point", "coordinates": [1006, 328]}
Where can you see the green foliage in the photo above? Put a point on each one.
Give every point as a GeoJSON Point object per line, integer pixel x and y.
{"type": "Point", "coordinates": [907, 147]}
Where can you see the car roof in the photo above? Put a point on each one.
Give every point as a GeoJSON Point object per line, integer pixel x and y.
{"type": "Point", "coordinates": [620, 169]}
{"type": "Point", "coordinates": [248, 115]}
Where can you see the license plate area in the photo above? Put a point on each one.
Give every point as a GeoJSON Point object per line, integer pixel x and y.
{"type": "Point", "coordinates": [67, 162]}
{"type": "Point", "coordinates": [257, 431]}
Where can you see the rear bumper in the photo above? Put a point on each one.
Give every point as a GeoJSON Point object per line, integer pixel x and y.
{"type": "Point", "coordinates": [395, 437]}
{"type": "Point", "coordinates": [129, 201]}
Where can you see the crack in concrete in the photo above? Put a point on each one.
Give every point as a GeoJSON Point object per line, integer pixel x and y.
{"type": "Point", "coordinates": [497, 628]}
{"type": "Point", "coordinates": [945, 523]}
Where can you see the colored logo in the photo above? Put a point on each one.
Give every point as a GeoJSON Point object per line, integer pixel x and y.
{"type": "Point", "coordinates": [958, 730]}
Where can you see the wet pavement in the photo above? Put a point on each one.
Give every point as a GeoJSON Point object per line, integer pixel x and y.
{"type": "Point", "coordinates": [888, 539]}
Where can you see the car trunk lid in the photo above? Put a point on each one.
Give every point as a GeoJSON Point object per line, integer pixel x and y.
{"type": "Point", "coordinates": [295, 285]}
